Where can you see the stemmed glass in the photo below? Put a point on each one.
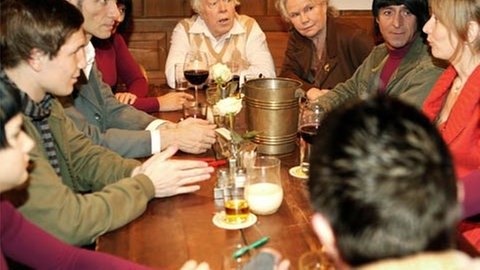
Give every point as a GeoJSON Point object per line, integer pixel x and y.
{"type": "Point", "coordinates": [195, 69]}
{"type": "Point", "coordinates": [310, 117]}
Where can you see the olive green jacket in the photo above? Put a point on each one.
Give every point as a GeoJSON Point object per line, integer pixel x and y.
{"type": "Point", "coordinates": [94, 194]}
{"type": "Point", "coordinates": [411, 82]}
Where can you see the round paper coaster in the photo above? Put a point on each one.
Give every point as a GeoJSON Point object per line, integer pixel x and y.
{"type": "Point", "coordinates": [219, 221]}
{"type": "Point", "coordinates": [297, 172]}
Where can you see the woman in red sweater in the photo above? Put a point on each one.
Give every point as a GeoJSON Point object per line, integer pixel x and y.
{"type": "Point", "coordinates": [116, 63]}
{"type": "Point", "coordinates": [454, 102]}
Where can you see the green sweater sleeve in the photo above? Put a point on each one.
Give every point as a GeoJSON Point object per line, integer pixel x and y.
{"type": "Point", "coordinates": [411, 82]}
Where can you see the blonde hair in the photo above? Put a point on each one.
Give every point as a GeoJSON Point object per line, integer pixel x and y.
{"type": "Point", "coordinates": [197, 7]}
{"type": "Point", "coordinates": [281, 6]}
{"type": "Point", "coordinates": [456, 15]}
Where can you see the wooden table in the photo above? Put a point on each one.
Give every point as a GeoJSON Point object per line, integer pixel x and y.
{"type": "Point", "coordinates": [173, 230]}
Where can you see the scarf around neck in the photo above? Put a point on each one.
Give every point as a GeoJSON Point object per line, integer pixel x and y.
{"type": "Point", "coordinates": [38, 112]}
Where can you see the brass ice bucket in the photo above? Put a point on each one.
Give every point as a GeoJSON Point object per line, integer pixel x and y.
{"type": "Point", "coordinates": [272, 109]}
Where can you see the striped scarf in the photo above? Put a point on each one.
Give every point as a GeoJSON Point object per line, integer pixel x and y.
{"type": "Point", "coordinates": [39, 113]}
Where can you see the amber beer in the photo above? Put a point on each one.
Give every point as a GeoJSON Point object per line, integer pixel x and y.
{"type": "Point", "coordinates": [236, 206]}
{"type": "Point", "coordinates": [236, 211]}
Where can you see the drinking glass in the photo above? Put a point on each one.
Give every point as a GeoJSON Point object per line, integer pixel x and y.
{"type": "Point", "coordinates": [194, 109]}
{"type": "Point", "coordinates": [311, 115]}
{"type": "Point", "coordinates": [235, 68]}
{"type": "Point", "coordinates": [263, 188]}
{"type": "Point", "coordinates": [312, 260]}
{"type": "Point", "coordinates": [236, 207]}
{"type": "Point", "coordinates": [230, 263]}
{"type": "Point", "coordinates": [181, 83]}
{"type": "Point", "coordinates": [195, 69]}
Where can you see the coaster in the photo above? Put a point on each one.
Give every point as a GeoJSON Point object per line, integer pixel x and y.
{"type": "Point", "coordinates": [219, 221]}
{"type": "Point", "coordinates": [297, 172]}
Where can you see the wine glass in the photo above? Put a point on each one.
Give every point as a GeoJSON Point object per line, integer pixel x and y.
{"type": "Point", "coordinates": [195, 69]}
{"type": "Point", "coordinates": [311, 115]}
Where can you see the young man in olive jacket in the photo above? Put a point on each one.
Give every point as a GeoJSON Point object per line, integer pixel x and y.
{"type": "Point", "coordinates": [77, 190]}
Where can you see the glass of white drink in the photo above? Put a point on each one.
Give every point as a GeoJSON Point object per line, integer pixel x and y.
{"type": "Point", "coordinates": [263, 188]}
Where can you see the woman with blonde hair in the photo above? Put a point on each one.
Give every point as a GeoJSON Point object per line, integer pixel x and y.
{"type": "Point", "coordinates": [322, 49]}
{"type": "Point", "coordinates": [454, 103]}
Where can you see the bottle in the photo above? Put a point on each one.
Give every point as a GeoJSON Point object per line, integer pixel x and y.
{"type": "Point", "coordinates": [222, 183]}
{"type": "Point", "coordinates": [240, 178]}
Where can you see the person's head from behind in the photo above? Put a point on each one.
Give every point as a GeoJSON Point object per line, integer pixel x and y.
{"type": "Point", "coordinates": [46, 36]}
{"type": "Point", "coordinates": [14, 142]}
{"type": "Point", "coordinates": [218, 15]}
{"type": "Point", "coordinates": [399, 21]}
{"type": "Point", "coordinates": [382, 184]}
{"type": "Point", "coordinates": [309, 17]}
{"type": "Point", "coordinates": [453, 29]}
{"type": "Point", "coordinates": [100, 16]}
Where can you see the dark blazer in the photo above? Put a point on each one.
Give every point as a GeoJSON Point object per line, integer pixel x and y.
{"type": "Point", "coordinates": [347, 46]}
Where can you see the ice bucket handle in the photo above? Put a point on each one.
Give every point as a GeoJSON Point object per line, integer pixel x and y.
{"type": "Point", "coordinates": [300, 95]}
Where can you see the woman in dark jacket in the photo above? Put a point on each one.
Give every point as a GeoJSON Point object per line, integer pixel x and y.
{"type": "Point", "coordinates": [322, 50]}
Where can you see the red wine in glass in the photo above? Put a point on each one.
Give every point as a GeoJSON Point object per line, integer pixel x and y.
{"type": "Point", "coordinates": [308, 132]}
{"type": "Point", "coordinates": [196, 77]}
{"type": "Point", "coordinates": [196, 69]}
{"type": "Point", "coordinates": [311, 115]}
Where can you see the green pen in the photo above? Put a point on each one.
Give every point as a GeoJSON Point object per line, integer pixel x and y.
{"type": "Point", "coordinates": [255, 244]}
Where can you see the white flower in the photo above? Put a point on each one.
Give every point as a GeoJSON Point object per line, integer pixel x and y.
{"type": "Point", "coordinates": [221, 73]}
{"type": "Point", "coordinates": [229, 105]}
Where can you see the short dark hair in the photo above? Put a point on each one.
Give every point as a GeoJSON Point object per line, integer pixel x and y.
{"type": "Point", "coordinates": [383, 177]}
{"type": "Point", "coordinates": [29, 24]}
{"type": "Point", "coordinates": [419, 8]}
{"type": "Point", "coordinates": [9, 107]}
{"type": "Point", "coordinates": [126, 25]}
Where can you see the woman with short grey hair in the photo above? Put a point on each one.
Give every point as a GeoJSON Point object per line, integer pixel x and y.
{"type": "Point", "coordinates": [322, 49]}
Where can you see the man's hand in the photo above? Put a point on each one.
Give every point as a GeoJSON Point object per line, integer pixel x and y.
{"type": "Point", "coordinates": [173, 101]}
{"type": "Point", "coordinates": [314, 93]}
{"type": "Point", "coordinates": [171, 177]}
{"type": "Point", "coordinates": [126, 97]}
{"type": "Point", "coordinates": [191, 135]}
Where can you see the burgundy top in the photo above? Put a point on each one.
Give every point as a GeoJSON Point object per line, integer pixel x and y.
{"type": "Point", "coordinates": [116, 63]}
{"type": "Point", "coordinates": [26, 243]}
{"type": "Point", "coordinates": [393, 61]}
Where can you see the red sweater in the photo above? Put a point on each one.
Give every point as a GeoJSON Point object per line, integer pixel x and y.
{"type": "Point", "coordinates": [461, 132]}
{"type": "Point", "coordinates": [25, 243]}
{"type": "Point", "coordinates": [115, 62]}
